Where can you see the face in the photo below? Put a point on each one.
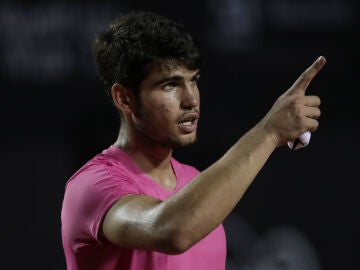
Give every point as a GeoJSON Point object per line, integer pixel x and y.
{"type": "Point", "coordinates": [168, 108]}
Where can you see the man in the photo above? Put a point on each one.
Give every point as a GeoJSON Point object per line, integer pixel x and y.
{"type": "Point", "coordinates": [134, 206]}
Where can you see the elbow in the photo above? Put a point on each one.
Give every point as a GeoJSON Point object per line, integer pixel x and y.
{"type": "Point", "coordinates": [175, 234]}
{"type": "Point", "coordinates": [176, 241]}
{"type": "Point", "coordinates": [179, 242]}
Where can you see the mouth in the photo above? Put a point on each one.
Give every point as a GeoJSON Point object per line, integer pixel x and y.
{"type": "Point", "coordinates": [188, 123]}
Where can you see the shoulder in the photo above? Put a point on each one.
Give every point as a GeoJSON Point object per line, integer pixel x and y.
{"type": "Point", "coordinates": [93, 168]}
{"type": "Point", "coordinates": [100, 170]}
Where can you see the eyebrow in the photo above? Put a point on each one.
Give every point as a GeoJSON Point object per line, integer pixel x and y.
{"type": "Point", "coordinates": [175, 78]}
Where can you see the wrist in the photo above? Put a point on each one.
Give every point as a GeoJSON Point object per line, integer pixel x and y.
{"type": "Point", "coordinates": [267, 135]}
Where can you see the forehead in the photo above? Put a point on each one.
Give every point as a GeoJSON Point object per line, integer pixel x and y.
{"type": "Point", "coordinates": [169, 68]}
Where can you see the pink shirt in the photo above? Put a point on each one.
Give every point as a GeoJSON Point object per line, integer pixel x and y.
{"type": "Point", "coordinates": [92, 190]}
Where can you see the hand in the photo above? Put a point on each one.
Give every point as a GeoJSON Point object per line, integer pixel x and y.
{"type": "Point", "coordinates": [293, 113]}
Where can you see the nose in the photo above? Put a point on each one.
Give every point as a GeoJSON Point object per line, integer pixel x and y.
{"type": "Point", "coordinates": [189, 96]}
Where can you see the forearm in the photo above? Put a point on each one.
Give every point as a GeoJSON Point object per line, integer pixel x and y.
{"type": "Point", "coordinates": [204, 203]}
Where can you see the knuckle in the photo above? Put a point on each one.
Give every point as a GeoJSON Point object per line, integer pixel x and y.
{"type": "Point", "coordinates": [304, 76]}
{"type": "Point", "coordinates": [299, 111]}
{"type": "Point", "coordinates": [297, 103]}
{"type": "Point", "coordinates": [303, 121]}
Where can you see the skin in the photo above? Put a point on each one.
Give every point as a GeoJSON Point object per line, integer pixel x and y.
{"type": "Point", "coordinates": [150, 130]}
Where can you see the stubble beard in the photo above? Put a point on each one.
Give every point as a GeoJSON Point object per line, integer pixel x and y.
{"type": "Point", "coordinates": [173, 142]}
{"type": "Point", "coordinates": [180, 142]}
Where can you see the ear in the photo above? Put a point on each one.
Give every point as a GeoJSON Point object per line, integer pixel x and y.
{"type": "Point", "coordinates": [123, 98]}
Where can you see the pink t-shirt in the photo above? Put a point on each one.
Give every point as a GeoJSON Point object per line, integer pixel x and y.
{"type": "Point", "coordinates": [92, 190]}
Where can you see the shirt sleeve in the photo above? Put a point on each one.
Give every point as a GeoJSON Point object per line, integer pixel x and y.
{"type": "Point", "coordinates": [88, 198]}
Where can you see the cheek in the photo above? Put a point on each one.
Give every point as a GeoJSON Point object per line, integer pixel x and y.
{"type": "Point", "coordinates": [164, 109]}
{"type": "Point", "coordinates": [155, 115]}
{"type": "Point", "coordinates": [167, 104]}
{"type": "Point", "coordinates": [166, 113]}
{"type": "Point", "coordinates": [160, 107]}
{"type": "Point", "coordinates": [170, 105]}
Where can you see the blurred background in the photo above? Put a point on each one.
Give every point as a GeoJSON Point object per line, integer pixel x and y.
{"type": "Point", "coordinates": [55, 116]}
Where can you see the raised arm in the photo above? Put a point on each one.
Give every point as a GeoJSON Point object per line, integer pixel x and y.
{"type": "Point", "coordinates": [174, 225]}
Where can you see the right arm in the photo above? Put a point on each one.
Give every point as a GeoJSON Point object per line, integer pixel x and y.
{"type": "Point", "coordinates": [174, 225]}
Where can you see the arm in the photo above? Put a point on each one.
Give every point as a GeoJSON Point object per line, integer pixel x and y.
{"type": "Point", "coordinates": [176, 224]}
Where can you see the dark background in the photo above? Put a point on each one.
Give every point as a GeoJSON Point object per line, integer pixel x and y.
{"type": "Point", "coordinates": [55, 115]}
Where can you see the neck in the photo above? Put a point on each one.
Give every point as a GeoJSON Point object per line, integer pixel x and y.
{"type": "Point", "coordinates": [150, 156]}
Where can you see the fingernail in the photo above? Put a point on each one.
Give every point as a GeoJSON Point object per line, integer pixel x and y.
{"type": "Point", "coordinates": [321, 60]}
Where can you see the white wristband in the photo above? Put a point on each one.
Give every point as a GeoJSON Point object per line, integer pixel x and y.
{"type": "Point", "coordinates": [302, 141]}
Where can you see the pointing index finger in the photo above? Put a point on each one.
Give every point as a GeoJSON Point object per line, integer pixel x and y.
{"type": "Point", "coordinates": [301, 84]}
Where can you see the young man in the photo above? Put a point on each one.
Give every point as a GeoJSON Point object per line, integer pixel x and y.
{"type": "Point", "coordinates": [134, 206]}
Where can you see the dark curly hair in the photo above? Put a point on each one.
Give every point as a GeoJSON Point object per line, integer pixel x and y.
{"type": "Point", "coordinates": [134, 41]}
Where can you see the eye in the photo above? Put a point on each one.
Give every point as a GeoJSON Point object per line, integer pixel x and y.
{"type": "Point", "coordinates": [169, 86]}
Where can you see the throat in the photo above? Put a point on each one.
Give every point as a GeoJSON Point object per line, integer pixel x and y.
{"type": "Point", "coordinates": [155, 164]}
{"type": "Point", "coordinates": [169, 182]}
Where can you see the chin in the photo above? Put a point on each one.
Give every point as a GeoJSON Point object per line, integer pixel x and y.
{"type": "Point", "coordinates": [184, 141]}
